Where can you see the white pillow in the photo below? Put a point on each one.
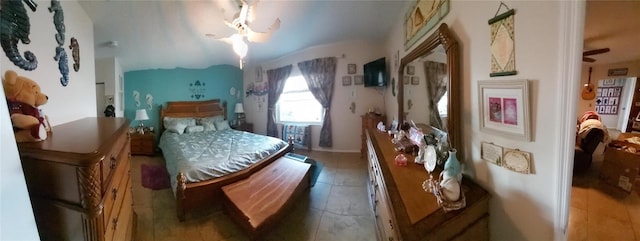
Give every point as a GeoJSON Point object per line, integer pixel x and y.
{"type": "Point", "coordinates": [193, 129]}
{"type": "Point", "coordinates": [222, 125]}
{"type": "Point", "coordinates": [188, 121]}
{"type": "Point", "coordinates": [176, 127]}
{"type": "Point", "coordinates": [209, 126]}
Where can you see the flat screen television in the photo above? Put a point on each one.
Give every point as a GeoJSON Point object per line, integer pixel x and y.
{"type": "Point", "coordinates": [375, 73]}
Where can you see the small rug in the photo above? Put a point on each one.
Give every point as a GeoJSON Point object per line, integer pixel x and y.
{"type": "Point", "coordinates": [154, 177]}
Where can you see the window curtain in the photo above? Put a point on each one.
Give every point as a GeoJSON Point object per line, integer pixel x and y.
{"type": "Point", "coordinates": [320, 75]}
{"type": "Point", "coordinates": [276, 79]}
{"type": "Point", "coordinates": [437, 81]}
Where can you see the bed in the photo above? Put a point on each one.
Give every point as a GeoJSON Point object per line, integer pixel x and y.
{"type": "Point", "coordinates": [194, 161]}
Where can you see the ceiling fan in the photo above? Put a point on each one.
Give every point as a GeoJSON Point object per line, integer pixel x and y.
{"type": "Point", "coordinates": [593, 52]}
{"type": "Point", "coordinates": [241, 23]}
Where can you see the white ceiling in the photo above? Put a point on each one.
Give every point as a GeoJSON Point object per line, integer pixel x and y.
{"type": "Point", "coordinates": [614, 25]}
{"type": "Point", "coordinates": [167, 34]}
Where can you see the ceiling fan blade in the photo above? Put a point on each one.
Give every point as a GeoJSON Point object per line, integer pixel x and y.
{"type": "Point", "coordinates": [228, 40]}
{"type": "Point", "coordinates": [252, 11]}
{"type": "Point", "coordinates": [243, 12]}
{"type": "Point", "coordinates": [587, 59]}
{"type": "Point", "coordinates": [595, 51]}
{"type": "Point", "coordinates": [260, 37]}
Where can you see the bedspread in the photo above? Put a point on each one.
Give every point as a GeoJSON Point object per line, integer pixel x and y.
{"type": "Point", "coordinates": [206, 155]}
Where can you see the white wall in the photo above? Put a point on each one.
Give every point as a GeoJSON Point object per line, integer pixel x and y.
{"type": "Point", "coordinates": [346, 125]}
{"type": "Point", "coordinates": [600, 72]}
{"type": "Point", "coordinates": [109, 72]}
{"type": "Point", "coordinates": [80, 92]}
{"type": "Point", "coordinates": [522, 207]}
{"type": "Point", "coordinates": [16, 215]}
{"type": "Point", "coordinates": [75, 101]}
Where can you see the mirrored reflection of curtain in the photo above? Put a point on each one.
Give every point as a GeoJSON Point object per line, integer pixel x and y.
{"type": "Point", "coordinates": [436, 79]}
{"type": "Point", "coordinates": [276, 79]}
{"type": "Point", "coordinates": [320, 75]}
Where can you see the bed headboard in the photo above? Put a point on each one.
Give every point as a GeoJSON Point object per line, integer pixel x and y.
{"type": "Point", "coordinates": [203, 108]}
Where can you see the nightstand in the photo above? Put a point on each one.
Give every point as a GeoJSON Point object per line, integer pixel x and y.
{"type": "Point", "coordinates": [143, 144]}
{"type": "Point", "coordinates": [248, 127]}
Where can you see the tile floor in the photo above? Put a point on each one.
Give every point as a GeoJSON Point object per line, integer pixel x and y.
{"type": "Point", "coordinates": [600, 211]}
{"type": "Point", "coordinates": [336, 208]}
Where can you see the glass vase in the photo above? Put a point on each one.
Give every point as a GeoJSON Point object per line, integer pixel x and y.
{"type": "Point", "coordinates": [452, 166]}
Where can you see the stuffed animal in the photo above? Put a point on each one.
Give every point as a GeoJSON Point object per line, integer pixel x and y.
{"type": "Point", "coordinates": [23, 98]}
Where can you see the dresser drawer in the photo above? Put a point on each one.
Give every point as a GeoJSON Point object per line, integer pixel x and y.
{"type": "Point", "coordinates": [120, 149]}
{"type": "Point", "coordinates": [117, 190]}
{"type": "Point", "coordinates": [120, 219]}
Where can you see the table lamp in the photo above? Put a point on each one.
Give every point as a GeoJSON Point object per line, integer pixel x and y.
{"type": "Point", "coordinates": [240, 111]}
{"type": "Point", "coordinates": [141, 115]}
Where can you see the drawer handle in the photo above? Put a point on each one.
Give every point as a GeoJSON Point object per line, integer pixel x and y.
{"type": "Point", "coordinates": [113, 163]}
{"type": "Point", "coordinates": [390, 224]}
{"type": "Point", "coordinates": [115, 193]}
{"type": "Point", "coordinates": [115, 223]}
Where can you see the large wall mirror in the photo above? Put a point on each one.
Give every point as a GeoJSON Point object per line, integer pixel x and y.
{"type": "Point", "coordinates": [428, 86]}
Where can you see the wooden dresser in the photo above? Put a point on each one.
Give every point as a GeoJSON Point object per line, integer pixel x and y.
{"type": "Point", "coordinates": [404, 211]}
{"type": "Point", "coordinates": [78, 180]}
{"type": "Point", "coordinates": [369, 120]}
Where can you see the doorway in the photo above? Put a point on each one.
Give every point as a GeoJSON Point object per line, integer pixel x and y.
{"type": "Point", "coordinates": [101, 102]}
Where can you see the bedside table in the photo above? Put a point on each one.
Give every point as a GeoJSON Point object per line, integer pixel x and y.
{"type": "Point", "coordinates": [143, 144]}
{"type": "Point", "coordinates": [248, 127]}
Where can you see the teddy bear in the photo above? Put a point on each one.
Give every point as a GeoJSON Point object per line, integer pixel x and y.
{"type": "Point", "coordinates": [23, 99]}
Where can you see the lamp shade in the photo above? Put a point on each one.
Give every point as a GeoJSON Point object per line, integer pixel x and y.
{"type": "Point", "coordinates": [141, 114]}
{"type": "Point", "coordinates": [239, 108]}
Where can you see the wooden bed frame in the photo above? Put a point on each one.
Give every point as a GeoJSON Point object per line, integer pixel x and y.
{"type": "Point", "coordinates": [200, 195]}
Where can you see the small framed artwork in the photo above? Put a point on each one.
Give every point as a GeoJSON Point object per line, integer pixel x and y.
{"type": "Point", "coordinates": [411, 70]}
{"type": "Point", "coordinates": [406, 79]}
{"type": "Point", "coordinates": [517, 161]}
{"type": "Point", "coordinates": [609, 82]}
{"type": "Point", "coordinates": [346, 80]}
{"type": "Point", "coordinates": [491, 153]}
{"type": "Point", "coordinates": [618, 72]}
{"type": "Point", "coordinates": [358, 80]}
{"type": "Point", "coordinates": [351, 69]}
{"type": "Point", "coordinates": [415, 80]}
{"type": "Point", "coordinates": [504, 108]}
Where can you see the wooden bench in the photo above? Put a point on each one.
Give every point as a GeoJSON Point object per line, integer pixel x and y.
{"type": "Point", "coordinates": [261, 200]}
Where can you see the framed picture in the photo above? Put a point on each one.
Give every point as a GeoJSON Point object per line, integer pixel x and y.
{"type": "Point", "coordinates": [346, 80]}
{"type": "Point", "coordinates": [421, 17]}
{"type": "Point", "coordinates": [351, 69]}
{"type": "Point", "coordinates": [617, 72]}
{"type": "Point", "coordinates": [406, 79]}
{"type": "Point", "coordinates": [411, 70]}
{"type": "Point", "coordinates": [415, 80]}
{"type": "Point", "coordinates": [504, 108]}
{"type": "Point", "coordinates": [358, 80]}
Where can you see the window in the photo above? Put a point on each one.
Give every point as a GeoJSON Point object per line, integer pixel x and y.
{"type": "Point", "coordinates": [443, 105]}
{"type": "Point", "coordinates": [297, 105]}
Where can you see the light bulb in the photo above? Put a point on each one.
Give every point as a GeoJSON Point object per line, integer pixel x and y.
{"type": "Point", "coordinates": [240, 47]}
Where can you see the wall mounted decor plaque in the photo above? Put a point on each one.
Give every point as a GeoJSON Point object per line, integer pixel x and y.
{"type": "Point", "coordinates": [618, 72]}
{"type": "Point", "coordinates": [422, 16]}
{"type": "Point", "coordinates": [503, 57]}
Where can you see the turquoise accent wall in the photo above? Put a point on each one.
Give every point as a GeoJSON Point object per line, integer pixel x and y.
{"type": "Point", "coordinates": [180, 85]}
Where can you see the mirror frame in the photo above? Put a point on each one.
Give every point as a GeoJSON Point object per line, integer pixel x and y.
{"type": "Point", "coordinates": [443, 36]}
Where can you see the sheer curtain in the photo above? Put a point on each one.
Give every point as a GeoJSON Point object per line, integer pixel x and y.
{"type": "Point", "coordinates": [276, 79]}
{"type": "Point", "coordinates": [436, 80]}
{"type": "Point", "coordinates": [320, 76]}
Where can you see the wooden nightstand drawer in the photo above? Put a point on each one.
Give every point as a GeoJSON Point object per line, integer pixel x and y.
{"type": "Point", "coordinates": [248, 127]}
{"type": "Point", "coordinates": [143, 144]}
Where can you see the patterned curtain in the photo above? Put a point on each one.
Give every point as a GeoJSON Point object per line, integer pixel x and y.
{"type": "Point", "coordinates": [276, 79]}
{"type": "Point", "coordinates": [320, 75]}
{"type": "Point", "coordinates": [437, 80]}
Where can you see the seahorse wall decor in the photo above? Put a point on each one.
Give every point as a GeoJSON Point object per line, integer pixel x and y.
{"type": "Point", "coordinates": [61, 54]}
{"type": "Point", "coordinates": [63, 66]}
{"type": "Point", "coordinates": [58, 20]}
{"type": "Point", "coordinates": [75, 53]}
{"type": "Point", "coordinates": [14, 27]}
